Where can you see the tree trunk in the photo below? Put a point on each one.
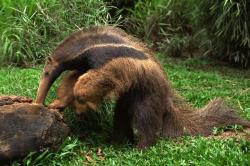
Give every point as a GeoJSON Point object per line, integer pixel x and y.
{"type": "Point", "coordinates": [26, 127]}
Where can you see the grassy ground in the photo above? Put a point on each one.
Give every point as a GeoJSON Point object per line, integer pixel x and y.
{"type": "Point", "coordinates": [197, 80]}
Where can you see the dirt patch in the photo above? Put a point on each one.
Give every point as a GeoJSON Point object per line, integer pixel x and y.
{"type": "Point", "coordinates": [241, 135]}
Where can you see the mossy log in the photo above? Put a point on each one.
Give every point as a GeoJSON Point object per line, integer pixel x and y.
{"type": "Point", "coordinates": [27, 127]}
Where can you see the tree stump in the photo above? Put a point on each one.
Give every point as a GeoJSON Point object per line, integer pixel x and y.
{"type": "Point", "coordinates": [26, 127]}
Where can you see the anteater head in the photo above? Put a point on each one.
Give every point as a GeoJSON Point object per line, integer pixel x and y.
{"type": "Point", "coordinates": [51, 72]}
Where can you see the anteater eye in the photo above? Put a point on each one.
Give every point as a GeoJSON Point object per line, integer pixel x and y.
{"type": "Point", "coordinates": [80, 99]}
{"type": "Point", "coordinates": [46, 73]}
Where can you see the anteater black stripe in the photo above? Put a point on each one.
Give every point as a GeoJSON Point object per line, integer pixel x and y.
{"type": "Point", "coordinates": [98, 56]}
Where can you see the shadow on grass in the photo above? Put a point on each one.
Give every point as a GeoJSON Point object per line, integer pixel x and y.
{"type": "Point", "coordinates": [93, 128]}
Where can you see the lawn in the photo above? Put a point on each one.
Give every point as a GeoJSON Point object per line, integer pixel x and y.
{"type": "Point", "coordinates": [198, 80]}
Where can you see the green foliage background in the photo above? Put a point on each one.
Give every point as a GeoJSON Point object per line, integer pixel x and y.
{"type": "Point", "coordinates": [31, 29]}
{"type": "Point", "coordinates": [228, 26]}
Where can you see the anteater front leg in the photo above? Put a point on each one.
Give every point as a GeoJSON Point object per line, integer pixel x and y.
{"type": "Point", "coordinates": [65, 91]}
{"type": "Point", "coordinates": [122, 121]}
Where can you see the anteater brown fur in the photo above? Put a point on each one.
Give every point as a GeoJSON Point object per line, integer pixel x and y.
{"type": "Point", "coordinates": [106, 62]}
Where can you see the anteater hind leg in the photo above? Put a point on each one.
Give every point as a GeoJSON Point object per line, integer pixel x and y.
{"type": "Point", "coordinates": [122, 121]}
{"type": "Point", "coordinates": [65, 91]}
{"type": "Point", "coordinates": [147, 121]}
{"type": "Point", "coordinates": [172, 121]}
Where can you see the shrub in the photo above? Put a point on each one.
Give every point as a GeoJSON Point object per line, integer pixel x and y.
{"type": "Point", "coordinates": [228, 26]}
{"type": "Point", "coordinates": [167, 25]}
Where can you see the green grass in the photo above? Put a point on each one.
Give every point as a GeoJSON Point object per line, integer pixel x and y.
{"type": "Point", "coordinates": [198, 80]}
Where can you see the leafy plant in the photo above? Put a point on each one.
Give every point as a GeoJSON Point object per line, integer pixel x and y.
{"type": "Point", "coordinates": [167, 25]}
{"type": "Point", "coordinates": [228, 26]}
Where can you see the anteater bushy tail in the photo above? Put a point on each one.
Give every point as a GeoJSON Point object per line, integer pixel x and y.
{"type": "Point", "coordinates": [215, 114]}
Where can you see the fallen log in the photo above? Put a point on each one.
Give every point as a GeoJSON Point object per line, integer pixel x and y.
{"type": "Point", "coordinates": [27, 127]}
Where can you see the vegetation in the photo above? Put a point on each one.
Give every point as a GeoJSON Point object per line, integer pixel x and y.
{"type": "Point", "coordinates": [189, 28]}
{"type": "Point", "coordinates": [88, 144]}
{"type": "Point", "coordinates": [166, 25]}
{"type": "Point", "coordinates": [228, 27]}
{"type": "Point", "coordinates": [31, 28]}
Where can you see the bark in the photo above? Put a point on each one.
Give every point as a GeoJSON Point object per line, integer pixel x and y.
{"type": "Point", "coordinates": [27, 127]}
